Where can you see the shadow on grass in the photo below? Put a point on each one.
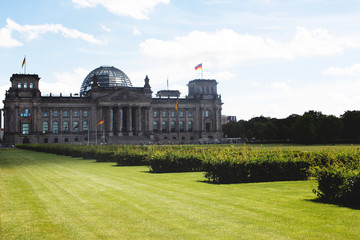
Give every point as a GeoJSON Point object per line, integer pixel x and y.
{"type": "Point", "coordinates": [319, 200]}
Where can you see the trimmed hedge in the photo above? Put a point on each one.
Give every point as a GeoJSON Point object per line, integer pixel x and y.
{"type": "Point", "coordinates": [339, 185]}
{"type": "Point", "coordinates": [255, 166]}
{"type": "Point", "coordinates": [176, 160]}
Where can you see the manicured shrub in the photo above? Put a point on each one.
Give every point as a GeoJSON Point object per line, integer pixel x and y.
{"type": "Point", "coordinates": [338, 185]}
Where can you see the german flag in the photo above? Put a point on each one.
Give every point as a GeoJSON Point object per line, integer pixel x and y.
{"type": "Point", "coordinates": [177, 106]}
{"type": "Point", "coordinates": [198, 67]}
{"type": "Point", "coordinates": [23, 63]}
{"type": "Point", "coordinates": [100, 122]}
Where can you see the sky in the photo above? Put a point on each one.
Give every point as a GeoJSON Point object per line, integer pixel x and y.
{"type": "Point", "coordinates": [271, 58]}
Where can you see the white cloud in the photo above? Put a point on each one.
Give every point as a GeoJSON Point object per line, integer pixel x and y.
{"type": "Point", "coordinates": [138, 9]}
{"type": "Point", "coordinates": [352, 71]}
{"type": "Point", "coordinates": [106, 29]}
{"type": "Point", "coordinates": [329, 98]}
{"type": "Point", "coordinates": [280, 86]}
{"type": "Point", "coordinates": [65, 83]}
{"type": "Point", "coordinates": [33, 31]}
{"type": "Point", "coordinates": [228, 48]}
{"type": "Point", "coordinates": [6, 40]}
{"type": "Point", "coordinates": [136, 32]}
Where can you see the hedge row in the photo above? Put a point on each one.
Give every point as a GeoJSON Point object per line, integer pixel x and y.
{"type": "Point", "coordinates": [231, 166]}
{"type": "Point", "coordinates": [339, 185]}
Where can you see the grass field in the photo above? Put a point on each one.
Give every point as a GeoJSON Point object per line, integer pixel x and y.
{"type": "Point", "coordinates": [44, 196]}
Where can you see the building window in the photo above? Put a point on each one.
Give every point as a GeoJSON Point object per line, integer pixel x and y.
{"type": "Point", "coordinates": [164, 126]}
{"type": "Point", "coordinates": [85, 126]}
{"type": "Point", "coordinates": [66, 140]}
{"type": "Point", "coordinates": [172, 114]}
{"type": "Point", "coordinates": [190, 126]}
{"type": "Point", "coordinates": [66, 113]}
{"type": "Point", "coordinates": [56, 140]}
{"type": "Point", "coordinates": [155, 113]}
{"type": "Point", "coordinates": [45, 127]}
{"type": "Point", "coordinates": [85, 113]}
{"type": "Point", "coordinates": [172, 126]}
{"type": "Point", "coordinates": [181, 126]}
{"type": "Point", "coordinates": [208, 127]}
{"type": "Point", "coordinates": [76, 139]}
{"type": "Point", "coordinates": [55, 127]}
{"type": "Point", "coordinates": [45, 114]}
{"type": "Point", "coordinates": [19, 85]}
{"type": "Point", "coordinates": [206, 113]}
{"type": "Point", "coordinates": [76, 114]}
{"type": "Point", "coordinates": [25, 113]}
{"type": "Point", "coordinates": [76, 126]}
{"type": "Point", "coordinates": [181, 114]}
{"type": "Point", "coordinates": [164, 114]}
{"type": "Point", "coordinates": [31, 85]}
{"type": "Point", "coordinates": [46, 140]}
{"type": "Point", "coordinates": [25, 85]}
{"type": "Point", "coordinates": [155, 126]}
{"type": "Point", "coordinates": [25, 128]}
{"type": "Point", "coordinates": [65, 126]}
{"type": "Point", "coordinates": [55, 113]}
{"type": "Point", "coordinates": [190, 115]}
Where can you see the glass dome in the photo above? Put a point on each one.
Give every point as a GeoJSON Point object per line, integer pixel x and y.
{"type": "Point", "coordinates": [107, 77]}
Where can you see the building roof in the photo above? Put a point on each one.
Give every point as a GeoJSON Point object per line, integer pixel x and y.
{"type": "Point", "coordinates": [107, 77]}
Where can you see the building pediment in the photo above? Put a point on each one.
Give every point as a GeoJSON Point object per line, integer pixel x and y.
{"type": "Point", "coordinates": [124, 96]}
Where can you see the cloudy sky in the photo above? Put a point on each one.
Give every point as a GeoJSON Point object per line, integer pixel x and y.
{"type": "Point", "coordinates": [269, 57]}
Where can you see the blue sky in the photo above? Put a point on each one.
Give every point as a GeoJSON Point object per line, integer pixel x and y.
{"type": "Point", "coordinates": [270, 57]}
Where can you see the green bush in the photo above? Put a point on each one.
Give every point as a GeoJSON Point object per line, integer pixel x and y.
{"type": "Point", "coordinates": [338, 185]}
{"type": "Point", "coordinates": [255, 166]}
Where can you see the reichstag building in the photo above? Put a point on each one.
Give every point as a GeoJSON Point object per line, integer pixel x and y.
{"type": "Point", "coordinates": [110, 110]}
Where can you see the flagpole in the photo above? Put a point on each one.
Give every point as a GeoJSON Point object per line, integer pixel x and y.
{"type": "Point", "coordinates": [87, 123]}
{"type": "Point", "coordinates": [96, 134]}
{"type": "Point", "coordinates": [202, 77]}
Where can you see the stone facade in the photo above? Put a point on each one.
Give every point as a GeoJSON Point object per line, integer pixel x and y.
{"type": "Point", "coordinates": [129, 114]}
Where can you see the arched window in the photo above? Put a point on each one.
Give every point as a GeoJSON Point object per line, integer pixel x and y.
{"type": "Point", "coordinates": [25, 113]}
{"type": "Point", "coordinates": [25, 85]}
{"type": "Point", "coordinates": [85, 126]}
{"type": "Point", "coordinates": [65, 126]}
{"type": "Point", "coordinates": [181, 126]}
{"type": "Point", "coordinates": [172, 125]}
{"type": "Point", "coordinates": [31, 85]}
{"type": "Point", "coordinates": [155, 126]}
{"type": "Point", "coordinates": [190, 126]}
{"type": "Point", "coordinates": [164, 126]}
{"type": "Point", "coordinates": [206, 113]}
{"type": "Point", "coordinates": [45, 127]}
{"type": "Point", "coordinates": [66, 113]}
{"type": "Point", "coordinates": [76, 126]}
{"type": "Point", "coordinates": [55, 127]}
{"type": "Point", "coordinates": [19, 85]}
{"type": "Point", "coordinates": [25, 128]}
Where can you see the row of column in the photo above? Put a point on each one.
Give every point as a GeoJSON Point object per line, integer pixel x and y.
{"type": "Point", "coordinates": [124, 120]}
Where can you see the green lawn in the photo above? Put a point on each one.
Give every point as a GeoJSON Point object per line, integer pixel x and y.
{"type": "Point", "coordinates": [44, 196]}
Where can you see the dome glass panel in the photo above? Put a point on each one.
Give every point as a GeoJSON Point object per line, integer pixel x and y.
{"type": "Point", "coordinates": [107, 77]}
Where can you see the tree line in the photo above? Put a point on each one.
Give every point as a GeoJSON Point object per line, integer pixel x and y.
{"type": "Point", "coordinates": [310, 128]}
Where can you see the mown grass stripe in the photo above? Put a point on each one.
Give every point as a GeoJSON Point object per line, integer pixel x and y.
{"type": "Point", "coordinates": [45, 196]}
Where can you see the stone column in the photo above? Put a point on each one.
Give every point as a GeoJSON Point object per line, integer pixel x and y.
{"type": "Point", "coordinates": [111, 121]}
{"type": "Point", "coordinates": [186, 120]}
{"type": "Point", "coordinates": [17, 120]}
{"type": "Point", "coordinates": [149, 119]}
{"type": "Point", "coordinates": [129, 121]}
{"type": "Point", "coordinates": [34, 123]}
{"type": "Point", "coordinates": [50, 121]}
{"type": "Point", "coordinates": [120, 121]}
{"type": "Point", "coordinates": [138, 120]}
